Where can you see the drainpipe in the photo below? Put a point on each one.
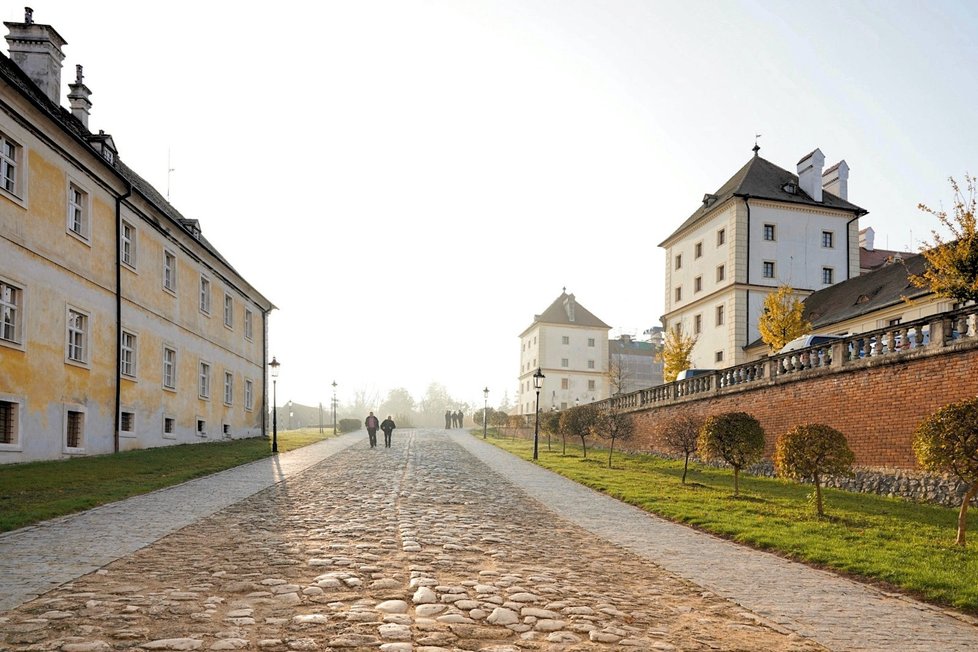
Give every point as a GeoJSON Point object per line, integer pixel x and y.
{"type": "Point", "coordinates": [264, 374]}
{"type": "Point", "coordinates": [747, 311]}
{"type": "Point", "coordinates": [118, 314]}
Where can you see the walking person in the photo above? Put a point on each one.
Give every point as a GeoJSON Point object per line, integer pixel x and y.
{"type": "Point", "coordinates": [388, 427]}
{"type": "Point", "coordinates": [448, 419]}
{"type": "Point", "coordinates": [461, 419]}
{"type": "Point", "coordinates": [372, 423]}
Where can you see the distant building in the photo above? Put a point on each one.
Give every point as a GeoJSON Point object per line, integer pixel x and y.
{"type": "Point", "coordinates": [763, 228]}
{"type": "Point", "coordinates": [121, 326]}
{"type": "Point", "coordinates": [871, 258]}
{"type": "Point", "coordinates": [633, 365]}
{"type": "Point", "coordinates": [570, 346]}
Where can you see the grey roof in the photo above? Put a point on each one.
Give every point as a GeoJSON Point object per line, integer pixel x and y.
{"type": "Point", "coordinates": [557, 313]}
{"type": "Point", "coordinates": [761, 179]}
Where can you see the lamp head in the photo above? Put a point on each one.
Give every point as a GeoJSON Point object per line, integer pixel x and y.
{"type": "Point", "coordinates": [273, 367]}
{"type": "Point", "coordinates": [538, 379]}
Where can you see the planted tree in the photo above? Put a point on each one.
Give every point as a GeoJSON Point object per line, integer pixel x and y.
{"type": "Point", "coordinates": [952, 265]}
{"type": "Point", "coordinates": [578, 421]}
{"type": "Point", "coordinates": [677, 353]}
{"type": "Point", "coordinates": [550, 422]}
{"type": "Point", "coordinates": [681, 435]}
{"type": "Point", "coordinates": [947, 442]}
{"type": "Point", "coordinates": [733, 437]}
{"type": "Point", "coordinates": [810, 452]}
{"type": "Point", "coordinates": [783, 318]}
{"type": "Point", "coordinates": [612, 424]}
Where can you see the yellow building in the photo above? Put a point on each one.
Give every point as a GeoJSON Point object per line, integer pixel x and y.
{"type": "Point", "coordinates": [121, 327]}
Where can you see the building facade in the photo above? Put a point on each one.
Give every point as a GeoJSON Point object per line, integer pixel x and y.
{"type": "Point", "coordinates": [121, 326]}
{"type": "Point", "coordinates": [570, 346]}
{"type": "Point", "coordinates": [763, 228]}
{"type": "Point", "coordinates": [633, 365]}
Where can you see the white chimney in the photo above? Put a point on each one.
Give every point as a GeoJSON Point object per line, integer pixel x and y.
{"type": "Point", "coordinates": [810, 174]}
{"type": "Point", "coordinates": [37, 50]}
{"type": "Point", "coordinates": [836, 180]}
{"type": "Point", "coordinates": [866, 238]}
{"type": "Point", "coordinates": [78, 96]}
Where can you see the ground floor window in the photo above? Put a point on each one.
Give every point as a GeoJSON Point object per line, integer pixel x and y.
{"type": "Point", "coordinates": [8, 422]}
{"type": "Point", "coordinates": [75, 429]}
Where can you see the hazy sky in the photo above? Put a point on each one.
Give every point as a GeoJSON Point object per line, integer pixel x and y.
{"type": "Point", "coordinates": [411, 181]}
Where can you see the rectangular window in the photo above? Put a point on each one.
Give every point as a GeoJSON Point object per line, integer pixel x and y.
{"type": "Point", "coordinates": [128, 354]}
{"type": "Point", "coordinates": [720, 315]}
{"type": "Point", "coordinates": [205, 295]}
{"type": "Point", "coordinates": [590, 341]}
{"type": "Point", "coordinates": [721, 237]}
{"type": "Point", "coordinates": [201, 428]}
{"type": "Point", "coordinates": [827, 239]}
{"type": "Point", "coordinates": [564, 362]}
{"type": "Point", "coordinates": [679, 294]}
{"type": "Point", "coordinates": [169, 368]}
{"type": "Point", "coordinates": [697, 324]}
{"type": "Point", "coordinates": [679, 261]}
{"type": "Point", "coordinates": [590, 364]}
{"type": "Point", "coordinates": [769, 232]}
{"type": "Point", "coordinates": [697, 250]}
{"type": "Point", "coordinates": [11, 312]}
{"type": "Point", "coordinates": [827, 275]}
{"type": "Point", "coordinates": [895, 322]}
{"type": "Point", "coordinates": [8, 422]}
{"type": "Point", "coordinates": [768, 269]}
{"type": "Point", "coordinates": [204, 380]}
{"type": "Point", "coordinates": [565, 383]}
{"type": "Point", "coordinates": [75, 429]}
{"type": "Point", "coordinates": [77, 336]}
{"type": "Point", "coordinates": [591, 385]}
{"type": "Point", "coordinates": [227, 430]}
{"type": "Point", "coordinates": [721, 273]}
{"type": "Point", "coordinates": [169, 424]}
{"type": "Point", "coordinates": [228, 388]}
{"type": "Point", "coordinates": [564, 339]}
{"type": "Point", "coordinates": [697, 284]}
{"type": "Point", "coordinates": [9, 161]}
{"type": "Point", "coordinates": [128, 240]}
{"type": "Point", "coordinates": [249, 395]}
{"type": "Point", "coordinates": [127, 422]}
{"type": "Point", "coordinates": [719, 356]}
{"type": "Point", "coordinates": [248, 324]}
{"type": "Point", "coordinates": [77, 211]}
{"type": "Point", "coordinates": [169, 271]}
{"type": "Point", "coordinates": [228, 311]}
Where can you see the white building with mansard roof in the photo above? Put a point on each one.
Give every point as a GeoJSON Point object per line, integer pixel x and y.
{"type": "Point", "coordinates": [763, 228]}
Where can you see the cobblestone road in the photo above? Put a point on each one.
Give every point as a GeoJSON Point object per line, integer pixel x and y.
{"type": "Point", "coordinates": [420, 547]}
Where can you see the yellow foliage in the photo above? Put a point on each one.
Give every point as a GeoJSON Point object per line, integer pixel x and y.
{"type": "Point", "coordinates": [783, 318]}
{"type": "Point", "coordinates": [952, 266]}
{"type": "Point", "coordinates": [676, 353]}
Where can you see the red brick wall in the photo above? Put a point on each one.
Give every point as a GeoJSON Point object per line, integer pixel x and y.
{"type": "Point", "coordinates": [877, 404]}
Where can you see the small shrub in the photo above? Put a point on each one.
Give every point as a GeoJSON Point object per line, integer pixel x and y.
{"type": "Point", "coordinates": [947, 442]}
{"type": "Point", "coordinates": [734, 437]}
{"type": "Point", "coordinates": [810, 452]}
{"type": "Point", "coordinates": [349, 425]}
{"type": "Point", "coordinates": [578, 421]}
{"type": "Point", "coordinates": [680, 434]}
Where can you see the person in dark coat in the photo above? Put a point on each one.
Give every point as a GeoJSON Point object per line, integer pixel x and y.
{"type": "Point", "coordinates": [448, 419]}
{"type": "Point", "coordinates": [388, 426]}
{"type": "Point", "coordinates": [461, 419]}
{"type": "Point", "coordinates": [371, 423]}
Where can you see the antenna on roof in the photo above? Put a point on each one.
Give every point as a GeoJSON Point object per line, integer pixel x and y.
{"type": "Point", "coordinates": [756, 147]}
{"type": "Point", "coordinates": [169, 169]}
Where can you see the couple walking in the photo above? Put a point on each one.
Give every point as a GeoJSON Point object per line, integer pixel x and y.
{"type": "Point", "coordinates": [387, 426]}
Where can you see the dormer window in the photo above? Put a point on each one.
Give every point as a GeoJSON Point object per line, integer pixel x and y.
{"type": "Point", "coordinates": [708, 200]}
{"type": "Point", "coordinates": [791, 188]}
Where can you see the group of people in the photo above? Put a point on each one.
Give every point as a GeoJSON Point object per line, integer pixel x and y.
{"type": "Point", "coordinates": [453, 419]}
{"type": "Point", "coordinates": [387, 425]}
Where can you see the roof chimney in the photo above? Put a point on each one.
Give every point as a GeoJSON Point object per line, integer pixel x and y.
{"type": "Point", "coordinates": [81, 106]}
{"type": "Point", "coordinates": [37, 50]}
{"type": "Point", "coordinates": [836, 180]}
{"type": "Point", "coordinates": [866, 238]}
{"type": "Point", "coordinates": [810, 174]}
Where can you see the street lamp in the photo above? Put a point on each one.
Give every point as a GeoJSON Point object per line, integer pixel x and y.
{"type": "Point", "coordinates": [334, 408]}
{"type": "Point", "coordinates": [273, 366]}
{"type": "Point", "coordinates": [320, 417]}
{"type": "Point", "coordinates": [485, 408]}
{"type": "Point", "coordinates": [537, 385]}
{"type": "Point", "coordinates": [290, 414]}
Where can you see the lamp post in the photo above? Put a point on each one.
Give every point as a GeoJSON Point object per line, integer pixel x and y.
{"type": "Point", "coordinates": [537, 385]}
{"type": "Point", "coordinates": [485, 409]}
{"type": "Point", "coordinates": [273, 366]}
{"type": "Point", "coordinates": [334, 408]}
{"type": "Point", "coordinates": [290, 414]}
{"type": "Point", "coordinates": [320, 417]}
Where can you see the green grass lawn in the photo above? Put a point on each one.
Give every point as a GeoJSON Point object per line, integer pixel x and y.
{"type": "Point", "coordinates": [903, 545]}
{"type": "Point", "coordinates": [37, 491]}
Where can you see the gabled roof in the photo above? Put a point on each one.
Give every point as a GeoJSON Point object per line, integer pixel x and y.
{"type": "Point", "coordinates": [761, 179]}
{"type": "Point", "coordinates": [566, 311]}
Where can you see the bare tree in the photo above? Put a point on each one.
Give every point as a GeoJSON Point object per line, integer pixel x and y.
{"type": "Point", "coordinates": [618, 375]}
{"type": "Point", "coordinates": [680, 434]}
{"type": "Point", "coordinates": [611, 423]}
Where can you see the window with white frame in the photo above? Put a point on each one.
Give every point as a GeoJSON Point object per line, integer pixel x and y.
{"type": "Point", "coordinates": [564, 362]}
{"type": "Point", "coordinates": [78, 219]}
{"type": "Point", "coordinates": [698, 284]}
{"type": "Point", "coordinates": [721, 237]}
{"type": "Point", "coordinates": [590, 341]}
{"type": "Point", "coordinates": [11, 312]}
{"type": "Point", "coordinates": [679, 294]}
{"type": "Point", "coordinates": [9, 423]}
{"type": "Point", "coordinates": [127, 238]}
{"type": "Point", "coordinates": [698, 250]}
{"type": "Point", "coordinates": [679, 261]}
{"type": "Point", "coordinates": [128, 357]}
{"type": "Point", "coordinates": [226, 428]}
{"type": "Point", "coordinates": [720, 315]}
{"type": "Point", "coordinates": [249, 327]}
{"type": "Point", "coordinates": [249, 396]}
{"type": "Point", "coordinates": [169, 271]}
{"type": "Point", "coordinates": [768, 269]}
{"type": "Point", "coordinates": [74, 428]}
{"type": "Point", "coordinates": [204, 380]}
{"type": "Point", "coordinates": [590, 364]}
{"type": "Point", "coordinates": [169, 427]}
{"type": "Point", "coordinates": [769, 232]}
{"type": "Point", "coordinates": [591, 385]}
{"type": "Point", "coordinates": [229, 311]}
{"type": "Point", "coordinates": [77, 345]}
{"type": "Point", "coordinates": [205, 295]}
{"type": "Point", "coordinates": [721, 273]}
{"type": "Point", "coordinates": [564, 339]}
{"type": "Point", "coordinates": [201, 427]}
{"type": "Point", "coordinates": [565, 383]}
{"type": "Point", "coordinates": [828, 239]}
{"type": "Point", "coordinates": [827, 276]}
{"type": "Point", "coordinates": [697, 324]}
{"type": "Point", "coordinates": [228, 388]}
{"type": "Point", "coordinates": [719, 356]}
{"type": "Point", "coordinates": [10, 157]}
{"type": "Point", "coordinates": [169, 368]}
{"type": "Point", "coordinates": [127, 422]}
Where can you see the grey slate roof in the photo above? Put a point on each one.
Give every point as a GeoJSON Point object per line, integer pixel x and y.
{"type": "Point", "coordinates": [761, 179]}
{"type": "Point", "coordinates": [557, 313]}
